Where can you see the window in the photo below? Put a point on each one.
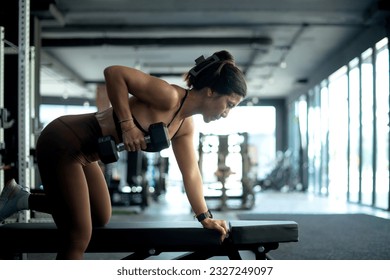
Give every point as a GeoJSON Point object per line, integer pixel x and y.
{"type": "Point", "coordinates": [382, 125]}
{"type": "Point", "coordinates": [348, 130]}
{"type": "Point", "coordinates": [354, 131]}
{"type": "Point", "coordinates": [314, 141]}
{"type": "Point", "coordinates": [367, 127]}
{"type": "Point", "coordinates": [50, 112]}
{"type": "Point", "coordinates": [338, 133]}
{"type": "Point", "coordinates": [324, 174]}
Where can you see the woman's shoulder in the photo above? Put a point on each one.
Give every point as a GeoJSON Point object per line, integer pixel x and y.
{"type": "Point", "coordinates": [173, 94]}
{"type": "Point", "coordinates": [175, 90]}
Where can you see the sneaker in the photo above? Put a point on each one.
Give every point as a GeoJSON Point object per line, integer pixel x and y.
{"type": "Point", "coordinates": [13, 198]}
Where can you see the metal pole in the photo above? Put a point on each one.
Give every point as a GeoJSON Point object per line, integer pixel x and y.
{"type": "Point", "coordinates": [1, 100]}
{"type": "Point", "coordinates": [387, 26]}
{"type": "Point", "coordinates": [23, 97]}
{"type": "Point", "coordinates": [31, 118]}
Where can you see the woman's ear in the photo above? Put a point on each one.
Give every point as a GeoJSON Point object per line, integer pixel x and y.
{"type": "Point", "coordinates": [210, 92]}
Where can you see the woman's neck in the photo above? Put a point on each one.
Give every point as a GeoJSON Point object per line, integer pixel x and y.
{"type": "Point", "coordinates": [193, 104]}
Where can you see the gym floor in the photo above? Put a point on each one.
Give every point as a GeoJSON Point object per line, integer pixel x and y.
{"type": "Point", "coordinates": [173, 206]}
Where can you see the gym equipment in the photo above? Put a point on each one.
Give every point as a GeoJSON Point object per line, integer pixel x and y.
{"type": "Point", "coordinates": [134, 189]}
{"type": "Point", "coordinates": [157, 140]}
{"type": "Point", "coordinates": [219, 147]}
{"type": "Point", "coordinates": [146, 239]}
{"type": "Point", "coordinates": [284, 176]}
{"type": "Point", "coordinates": [26, 70]}
{"type": "Point", "coordinates": [160, 172]}
{"type": "Point", "coordinates": [22, 84]}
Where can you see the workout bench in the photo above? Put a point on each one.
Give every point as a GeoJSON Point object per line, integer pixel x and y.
{"type": "Point", "coordinates": [145, 239]}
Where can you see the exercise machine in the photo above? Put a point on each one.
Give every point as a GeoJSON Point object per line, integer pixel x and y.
{"type": "Point", "coordinates": [145, 239]}
{"type": "Point", "coordinates": [217, 152]}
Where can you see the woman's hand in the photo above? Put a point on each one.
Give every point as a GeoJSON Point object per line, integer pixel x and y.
{"type": "Point", "coordinates": [133, 139]}
{"type": "Point", "coordinates": [219, 225]}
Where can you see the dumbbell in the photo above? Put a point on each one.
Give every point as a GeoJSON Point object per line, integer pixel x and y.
{"type": "Point", "coordinates": [157, 140]}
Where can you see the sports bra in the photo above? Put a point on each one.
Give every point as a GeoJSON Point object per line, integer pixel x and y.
{"type": "Point", "coordinates": [137, 124]}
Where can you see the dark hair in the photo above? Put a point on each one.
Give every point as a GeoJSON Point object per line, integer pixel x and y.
{"type": "Point", "coordinates": [219, 73]}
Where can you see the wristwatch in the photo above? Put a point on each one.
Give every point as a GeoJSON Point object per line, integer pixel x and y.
{"type": "Point", "coordinates": [204, 215]}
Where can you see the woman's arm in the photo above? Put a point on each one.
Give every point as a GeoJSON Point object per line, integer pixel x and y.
{"type": "Point", "coordinates": [192, 180]}
{"type": "Point", "coordinates": [184, 151]}
{"type": "Point", "coordinates": [120, 81]}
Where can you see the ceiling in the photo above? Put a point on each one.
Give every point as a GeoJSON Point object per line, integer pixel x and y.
{"type": "Point", "coordinates": [278, 44]}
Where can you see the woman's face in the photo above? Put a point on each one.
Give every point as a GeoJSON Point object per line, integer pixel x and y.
{"type": "Point", "coordinates": [218, 106]}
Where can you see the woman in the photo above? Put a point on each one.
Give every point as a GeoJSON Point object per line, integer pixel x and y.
{"type": "Point", "coordinates": [76, 193]}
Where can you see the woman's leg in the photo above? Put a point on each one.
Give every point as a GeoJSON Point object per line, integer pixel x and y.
{"type": "Point", "coordinates": [75, 189]}
{"type": "Point", "coordinates": [98, 194]}
{"type": "Point", "coordinates": [79, 199]}
{"type": "Point", "coordinates": [67, 190]}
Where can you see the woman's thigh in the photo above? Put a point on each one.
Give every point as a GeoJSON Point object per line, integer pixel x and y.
{"type": "Point", "coordinates": [67, 190]}
{"type": "Point", "coordinates": [78, 195]}
{"type": "Point", "coordinates": [99, 196]}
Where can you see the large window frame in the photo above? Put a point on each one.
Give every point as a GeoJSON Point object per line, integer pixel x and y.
{"type": "Point", "coordinates": [352, 107]}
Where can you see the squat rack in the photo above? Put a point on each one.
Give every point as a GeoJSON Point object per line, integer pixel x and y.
{"type": "Point", "coordinates": [25, 70]}
{"type": "Point", "coordinates": [23, 94]}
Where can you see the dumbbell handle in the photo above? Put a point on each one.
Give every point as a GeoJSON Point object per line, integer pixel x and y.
{"type": "Point", "coordinates": [121, 146]}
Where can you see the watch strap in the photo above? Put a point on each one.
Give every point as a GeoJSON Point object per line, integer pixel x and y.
{"type": "Point", "coordinates": [204, 216]}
